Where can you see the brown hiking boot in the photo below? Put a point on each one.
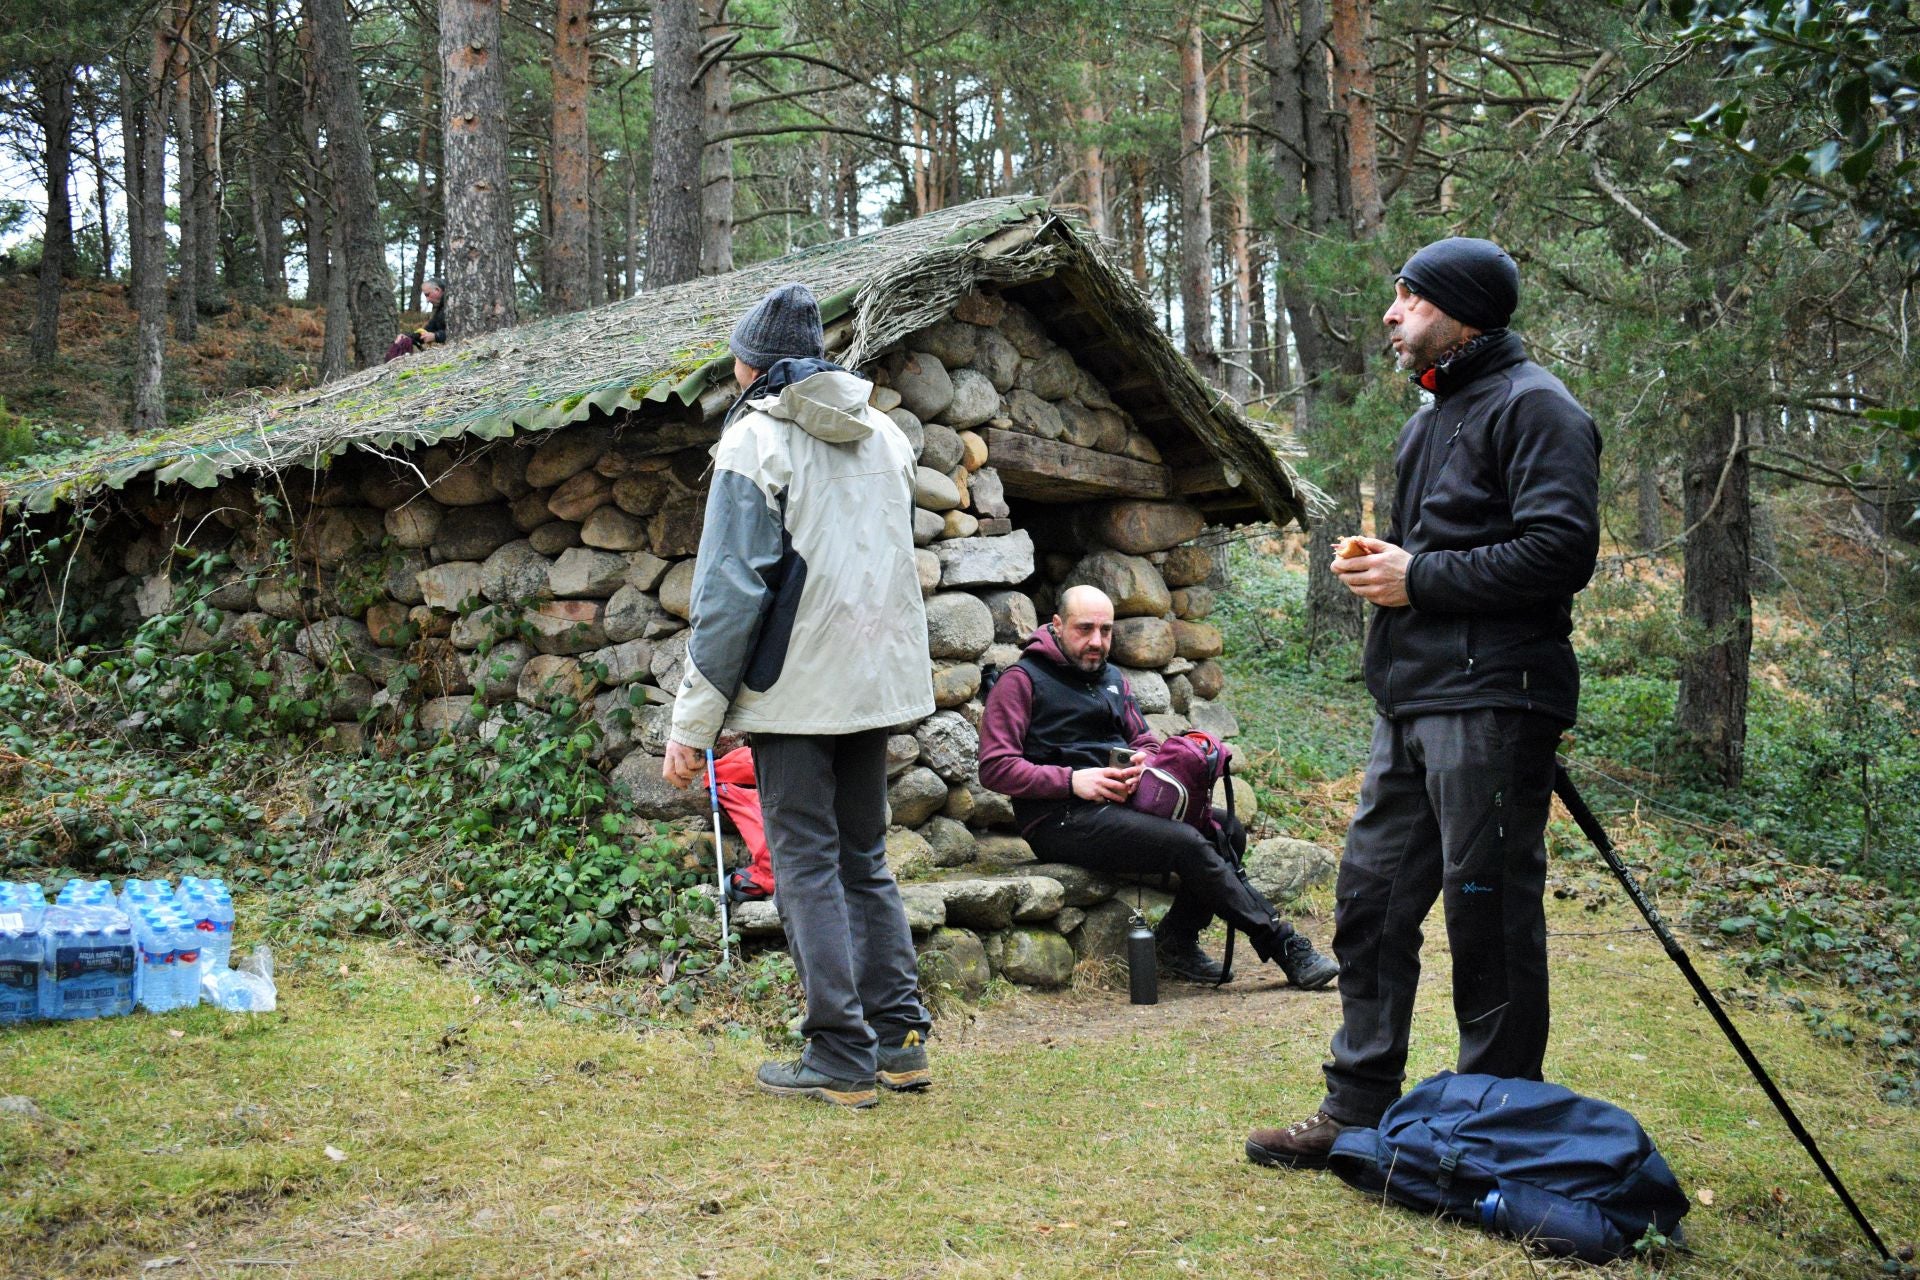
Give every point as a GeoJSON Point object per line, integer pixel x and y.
{"type": "Point", "coordinates": [1304, 1144]}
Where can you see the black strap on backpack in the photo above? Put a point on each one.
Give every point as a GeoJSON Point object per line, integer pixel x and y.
{"type": "Point", "coordinates": [1224, 842]}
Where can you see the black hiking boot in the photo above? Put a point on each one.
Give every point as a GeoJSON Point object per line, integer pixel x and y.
{"type": "Point", "coordinates": [1182, 958]}
{"type": "Point", "coordinates": [798, 1080]}
{"type": "Point", "coordinates": [903, 1066]}
{"type": "Point", "coordinates": [1306, 968]}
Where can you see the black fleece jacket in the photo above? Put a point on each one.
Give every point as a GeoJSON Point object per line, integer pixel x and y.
{"type": "Point", "coordinates": [1497, 499]}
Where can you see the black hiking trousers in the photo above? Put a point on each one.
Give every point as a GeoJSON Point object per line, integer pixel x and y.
{"type": "Point", "coordinates": [1454, 806]}
{"type": "Point", "coordinates": [1113, 839]}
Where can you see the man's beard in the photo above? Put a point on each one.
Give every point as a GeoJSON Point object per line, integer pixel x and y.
{"type": "Point", "coordinates": [1090, 660]}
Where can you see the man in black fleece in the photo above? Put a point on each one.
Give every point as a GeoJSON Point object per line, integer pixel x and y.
{"type": "Point", "coordinates": [1468, 658]}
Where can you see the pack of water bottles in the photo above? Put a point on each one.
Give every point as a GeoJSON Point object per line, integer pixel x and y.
{"type": "Point", "coordinates": [95, 953]}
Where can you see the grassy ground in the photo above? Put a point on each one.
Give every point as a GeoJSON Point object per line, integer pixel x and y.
{"type": "Point", "coordinates": [397, 1119]}
{"type": "Point", "coordinates": [388, 1121]}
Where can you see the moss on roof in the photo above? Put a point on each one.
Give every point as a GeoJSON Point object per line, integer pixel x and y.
{"type": "Point", "coordinates": [668, 346]}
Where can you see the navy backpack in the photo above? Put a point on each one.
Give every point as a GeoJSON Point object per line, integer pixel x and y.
{"type": "Point", "coordinates": [1572, 1175]}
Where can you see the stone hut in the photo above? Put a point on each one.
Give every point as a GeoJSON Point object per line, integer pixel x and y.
{"type": "Point", "coordinates": [516, 517]}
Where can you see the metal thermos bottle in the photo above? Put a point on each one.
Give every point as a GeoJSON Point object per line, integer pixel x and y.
{"type": "Point", "coordinates": [1143, 970]}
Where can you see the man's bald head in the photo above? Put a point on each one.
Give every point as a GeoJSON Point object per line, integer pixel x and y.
{"type": "Point", "coordinates": [1084, 625]}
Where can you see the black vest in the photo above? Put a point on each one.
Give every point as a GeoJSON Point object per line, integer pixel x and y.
{"type": "Point", "coordinates": [1077, 720]}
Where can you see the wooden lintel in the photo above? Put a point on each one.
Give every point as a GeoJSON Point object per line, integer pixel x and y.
{"type": "Point", "coordinates": [1210, 476]}
{"type": "Point", "coordinates": [1055, 471]}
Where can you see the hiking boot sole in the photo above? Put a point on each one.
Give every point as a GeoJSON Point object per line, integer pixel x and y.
{"type": "Point", "coordinates": [905, 1081]}
{"type": "Point", "coordinates": [1317, 984]}
{"type": "Point", "coordinates": [1283, 1159]}
{"type": "Point", "coordinates": [853, 1099]}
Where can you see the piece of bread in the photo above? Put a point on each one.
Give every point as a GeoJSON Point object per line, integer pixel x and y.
{"type": "Point", "coordinates": [1348, 548]}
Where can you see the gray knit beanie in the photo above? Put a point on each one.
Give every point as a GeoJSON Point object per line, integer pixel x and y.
{"type": "Point", "coordinates": [782, 325]}
{"type": "Point", "coordinates": [1474, 281]}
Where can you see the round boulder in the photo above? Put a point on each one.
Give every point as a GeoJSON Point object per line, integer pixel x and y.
{"type": "Point", "coordinates": [915, 796]}
{"type": "Point", "coordinates": [1131, 582]}
{"type": "Point", "coordinates": [1137, 526]}
{"type": "Point", "coordinates": [959, 625]}
{"type": "Point", "coordinates": [922, 381]}
{"type": "Point", "coordinates": [975, 400]}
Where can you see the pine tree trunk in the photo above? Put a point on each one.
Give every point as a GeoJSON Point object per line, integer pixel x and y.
{"type": "Point", "coordinates": [479, 265]}
{"type": "Point", "coordinates": [673, 205]}
{"type": "Point", "coordinates": [1196, 209]}
{"type": "Point", "coordinates": [1093, 156]}
{"type": "Point", "coordinates": [596, 237]}
{"type": "Point", "coordinates": [567, 183]}
{"type": "Point", "coordinates": [100, 184]}
{"type": "Point", "coordinates": [1354, 98]}
{"type": "Point", "coordinates": [186, 294]}
{"type": "Point", "coordinates": [716, 162]}
{"type": "Point", "coordinates": [631, 249]}
{"type": "Point", "coordinates": [334, 343]}
{"type": "Point", "coordinates": [355, 198]}
{"type": "Point", "coordinates": [133, 119]}
{"type": "Point", "coordinates": [1711, 714]}
{"type": "Point", "coordinates": [1308, 206]}
{"type": "Point", "coordinates": [264, 160]}
{"type": "Point", "coordinates": [56, 246]}
{"type": "Point", "coordinates": [1648, 506]}
{"type": "Point", "coordinates": [1259, 332]}
{"type": "Point", "coordinates": [150, 277]}
{"type": "Point", "coordinates": [313, 199]}
{"type": "Point", "coordinates": [423, 184]}
{"type": "Point", "coordinates": [203, 80]}
{"type": "Point", "coordinates": [1240, 257]}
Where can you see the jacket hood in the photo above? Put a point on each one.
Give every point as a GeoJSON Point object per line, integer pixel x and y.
{"type": "Point", "coordinates": [818, 396]}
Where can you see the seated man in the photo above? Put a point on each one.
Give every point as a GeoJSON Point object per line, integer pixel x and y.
{"type": "Point", "coordinates": [1052, 724]}
{"type": "Point", "coordinates": [435, 329]}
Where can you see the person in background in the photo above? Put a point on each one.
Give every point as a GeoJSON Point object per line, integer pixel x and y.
{"type": "Point", "coordinates": [434, 330]}
{"type": "Point", "coordinates": [1053, 730]}
{"type": "Point", "coordinates": [1495, 527]}
{"type": "Point", "coordinates": [809, 634]}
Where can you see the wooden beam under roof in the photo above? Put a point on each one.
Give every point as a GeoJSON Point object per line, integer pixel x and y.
{"type": "Point", "coordinates": [1055, 471]}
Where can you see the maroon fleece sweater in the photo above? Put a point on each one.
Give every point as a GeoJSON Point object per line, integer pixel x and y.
{"type": "Point", "coordinates": [1003, 732]}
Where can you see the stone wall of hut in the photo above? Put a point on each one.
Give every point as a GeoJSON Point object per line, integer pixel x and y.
{"type": "Point", "coordinates": [559, 565]}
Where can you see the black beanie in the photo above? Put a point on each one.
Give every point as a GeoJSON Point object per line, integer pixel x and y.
{"type": "Point", "coordinates": [784, 324]}
{"type": "Point", "coordinates": [1474, 281]}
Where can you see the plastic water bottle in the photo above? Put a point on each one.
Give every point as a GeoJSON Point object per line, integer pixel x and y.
{"type": "Point", "coordinates": [222, 918]}
{"type": "Point", "coordinates": [1490, 1210]}
{"type": "Point", "coordinates": [20, 950]}
{"type": "Point", "coordinates": [189, 946]}
{"type": "Point", "coordinates": [156, 992]}
{"type": "Point", "coordinates": [88, 962]}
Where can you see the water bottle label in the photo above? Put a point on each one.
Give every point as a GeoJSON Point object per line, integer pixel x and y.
{"type": "Point", "coordinates": [188, 957]}
{"type": "Point", "coordinates": [76, 962]}
{"type": "Point", "coordinates": [18, 975]}
{"type": "Point", "coordinates": [14, 920]}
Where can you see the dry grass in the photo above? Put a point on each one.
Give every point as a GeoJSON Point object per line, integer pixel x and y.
{"type": "Point", "coordinates": [1068, 1135]}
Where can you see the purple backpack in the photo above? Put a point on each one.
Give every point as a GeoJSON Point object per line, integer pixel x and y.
{"type": "Point", "coordinates": [1179, 779]}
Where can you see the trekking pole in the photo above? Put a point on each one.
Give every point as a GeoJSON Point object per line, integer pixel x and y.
{"type": "Point", "coordinates": [719, 861]}
{"type": "Point", "coordinates": [1582, 815]}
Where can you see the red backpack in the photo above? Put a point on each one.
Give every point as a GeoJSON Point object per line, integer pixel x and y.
{"type": "Point", "coordinates": [740, 797]}
{"type": "Point", "coordinates": [1180, 776]}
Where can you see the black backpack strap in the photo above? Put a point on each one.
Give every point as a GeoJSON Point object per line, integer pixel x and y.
{"type": "Point", "coordinates": [1232, 855]}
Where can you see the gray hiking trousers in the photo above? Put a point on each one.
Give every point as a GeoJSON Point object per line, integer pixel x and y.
{"type": "Point", "coordinates": [824, 799]}
{"type": "Point", "coordinates": [1453, 806]}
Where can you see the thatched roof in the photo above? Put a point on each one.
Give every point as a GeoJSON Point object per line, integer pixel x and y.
{"type": "Point", "coordinates": [666, 351]}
